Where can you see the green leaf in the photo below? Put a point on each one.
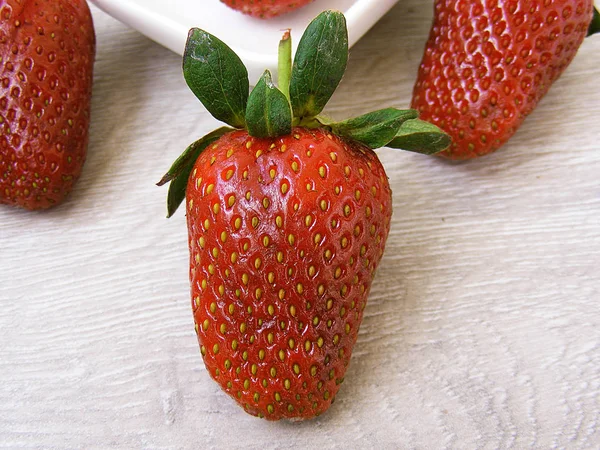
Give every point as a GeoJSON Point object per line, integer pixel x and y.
{"type": "Point", "coordinates": [595, 24]}
{"type": "Point", "coordinates": [421, 137]}
{"type": "Point", "coordinates": [268, 113]}
{"type": "Point", "coordinates": [179, 172]}
{"type": "Point", "coordinates": [374, 129]}
{"type": "Point", "coordinates": [319, 64]}
{"type": "Point", "coordinates": [217, 76]}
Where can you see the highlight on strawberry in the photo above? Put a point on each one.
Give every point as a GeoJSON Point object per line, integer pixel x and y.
{"type": "Point", "coordinates": [47, 51]}
{"type": "Point", "coordinates": [488, 63]}
{"type": "Point", "coordinates": [266, 9]}
{"type": "Point", "coordinates": [288, 215]}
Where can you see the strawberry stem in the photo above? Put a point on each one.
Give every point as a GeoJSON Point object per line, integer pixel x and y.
{"type": "Point", "coordinates": [595, 25]}
{"type": "Point", "coordinates": [284, 68]}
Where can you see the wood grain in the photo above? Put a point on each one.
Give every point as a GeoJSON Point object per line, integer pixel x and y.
{"type": "Point", "coordinates": [482, 329]}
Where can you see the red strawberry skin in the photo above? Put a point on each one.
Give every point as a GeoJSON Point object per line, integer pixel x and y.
{"type": "Point", "coordinates": [285, 235]}
{"type": "Point", "coordinates": [47, 50]}
{"type": "Point", "coordinates": [265, 9]}
{"type": "Point", "coordinates": [488, 63]}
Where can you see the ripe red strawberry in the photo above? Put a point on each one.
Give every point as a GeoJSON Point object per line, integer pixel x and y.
{"type": "Point", "coordinates": [288, 216]}
{"type": "Point", "coordinates": [488, 63]}
{"type": "Point", "coordinates": [47, 50]}
{"type": "Point", "coordinates": [265, 9]}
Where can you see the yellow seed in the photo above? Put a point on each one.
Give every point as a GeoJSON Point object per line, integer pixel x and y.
{"type": "Point", "coordinates": [216, 349]}
{"type": "Point", "coordinates": [308, 220]}
{"type": "Point", "coordinates": [245, 355]}
{"type": "Point", "coordinates": [294, 166]}
{"type": "Point", "coordinates": [327, 254]}
{"type": "Point", "coordinates": [248, 195]}
{"type": "Point", "coordinates": [284, 188]}
{"type": "Point", "coordinates": [347, 210]}
{"type": "Point", "coordinates": [210, 188]}
{"type": "Point", "coordinates": [307, 345]}
{"type": "Point", "coordinates": [266, 202]}
{"type": "Point", "coordinates": [202, 348]}
{"type": "Point", "coordinates": [229, 174]}
{"type": "Point", "coordinates": [317, 238]}
{"type": "Point", "coordinates": [287, 384]}
{"type": "Point", "coordinates": [234, 344]}
{"type": "Point", "coordinates": [279, 256]}
{"type": "Point", "coordinates": [316, 321]}
{"type": "Point", "coordinates": [357, 195]}
{"type": "Point", "coordinates": [368, 211]}
{"type": "Point", "coordinates": [257, 263]}
{"type": "Point", "coordinates": [279, 221]}
{"type": "Point", "coordinates": [254, 369]}
{"type": "Point", "coordinates": [243, 327]}
{"type": "Point", "coordinates": [258, 293]}
{"type": "Point", "coordinates": [201, 242]}
{"type": "Point", "coordinates": [321, 289]}
{"type": "Point", "coordinates": [344, 242]}
{"type": "Point", "coordinates": [246, 246]}
{"type": "Point", "coordinates": [211, 269]}
{"type": "Point", "coordinates": [270, 338]}
{"type": "Point", "coordinates": [272, 173]}
{"type": "Point", "coordinates": [336, 339]}
{"type": "Point", "coordinates": [291, 239]}
{"type": "Point", "coordinates": [299, 288]}
{"type": "Point", "coordinates": [234, 257]}
{"type": "Point", "coordinates": [271, 277]}
{"type": "Point", "coordinates": [254, 222]}
{"type": "Point", "coordinates": [322, 171]}
{"type": "Point", "coordinates": [215, 252]}
{"type": "Point", "coordinates": [221, 289]}
{"type": "Point", "coordinates": [261, 354]}
{"type": "Point", "coordinates": [216, 208]}
{"type": "Point", "coordinates": [344, 290]}
{"type": "Point", "coordinates": [223, 328]}
{"type": "Point", "coordinates": [271, 309]}
{"type": "Point", "coordinates": [338, 272]}
{"type": "Point", "coordinates": [320, 342]}
{"type": "Point", "coordinates": [205, 324]}
{"type": "Point", "coordinates": [213, 307]}
{"type": "Point", "coordinates": [231, 200]}
{"type": "Point", "coordinates": [363, 250]}
{"type": "Point", "coordinates": [223, 236]}
{"type": "Point", "coordinates": [342, 311]}
{"type": "Point", "coordinates": [333, 156]}
{"type": "Point", "coordinates": [266, 241]}
{"type": "Point", "coordinates": [311, 271]}
{"type": "Point", "coordinates": [281, 355]}
{"type": "Point", "coordinates": [245, 279]}
{"type": "Point", "coordinates": [313, 370]}
{"type": "Point", "coordinates": [329, 304]}
{"type": "Point", "coordinates": [323, 205]}
{"type": "Point", "coordinates": [231, 308]}
{"type": "Point", "coordinates": [281, 294]}
{"type": "Point", "coordinates": [206, 224]}
{"type": "Point", "coordinates": [293, 310]}
{"type": "Point", "coordinates": [347, 328]}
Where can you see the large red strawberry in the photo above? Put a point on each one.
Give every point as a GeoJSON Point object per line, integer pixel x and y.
{"type": "Point", "coordinates": [265, 9]}
{"type": "Point", "coordinates": [488, 63]}
{"type": "Point", "coordinates": [288, 215]}
{"type": "Point", "coordinates": [47, 50]}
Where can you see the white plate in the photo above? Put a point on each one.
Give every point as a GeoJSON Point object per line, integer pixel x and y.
{"type": "Point", "coordinates": [254, 40]}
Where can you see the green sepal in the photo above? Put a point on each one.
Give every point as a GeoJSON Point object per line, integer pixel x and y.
{"type": "Point", "coordinates": [595, 24]}
{"type": "Point", "coordinates": [421, 137]}
{"type": "Point", "coordinates": [179, 172]}
{"type": "Point", "coordinates": [319, 63]}
{"type": "Point", "coordinates": [217, 76]}
{"type": "Point", "coordinates": [268, 113]}
{"type": "Point", "coordinates": [374, 129]}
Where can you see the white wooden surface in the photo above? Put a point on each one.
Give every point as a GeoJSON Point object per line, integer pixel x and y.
{"type": "Point", "coordinates": [482, 329]}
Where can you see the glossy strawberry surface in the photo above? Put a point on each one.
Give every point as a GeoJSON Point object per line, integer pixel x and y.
{"type": "Point", "coordinates": [265, 9]}
{"type": "Point", "coordinates": [285, 235]}
{"type": "Point", "coordinates": [47, 50]}
{"type": "Point", "coordinates": [488, 63]}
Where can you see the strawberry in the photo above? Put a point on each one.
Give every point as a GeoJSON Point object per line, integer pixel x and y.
{"type": "Point", "coordinates": [47, 51]}
{"type": "Point", "coordinates": [288, 214]}
{"type": "Point", "coordinates": [265, 9]}
{"type": "Point", "coordinates": [488, 63]}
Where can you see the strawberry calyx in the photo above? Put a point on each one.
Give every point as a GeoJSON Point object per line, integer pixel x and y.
{"type": "Point", "coordinates": [219, 79]}
{"type": "Point", "coordinates": [594, 24]}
